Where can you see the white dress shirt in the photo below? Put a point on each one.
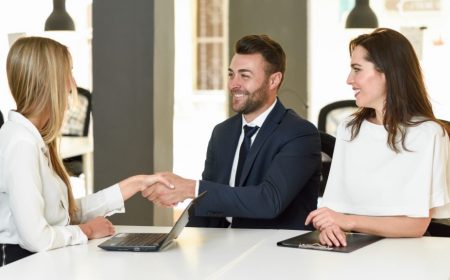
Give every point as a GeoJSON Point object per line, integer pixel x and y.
{"type": "Point", "coordinates": [258, 121]}
{"type": "Point", "coordinates": [33, 199]}
{"type": "Point", "coordinates": [368, 178]}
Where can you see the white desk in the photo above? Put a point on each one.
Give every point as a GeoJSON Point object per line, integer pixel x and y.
{"type": "Point", "coordinates": [80, 146]}
{"type": "Point", "coordinates": [201, 253]}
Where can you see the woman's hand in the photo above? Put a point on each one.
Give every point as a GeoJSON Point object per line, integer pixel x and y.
{"type": "Point", "coordinates": [97, 228]}
{"type": "Point", "coordinates": [323, 218]}
{"type": "Point", "coordinates": [333, 236]}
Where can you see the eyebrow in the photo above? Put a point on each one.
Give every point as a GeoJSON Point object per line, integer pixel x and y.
{"type": "Point", "coordinates": [355, 64]}
{"type": "Point", "coordinates": [241, 70]}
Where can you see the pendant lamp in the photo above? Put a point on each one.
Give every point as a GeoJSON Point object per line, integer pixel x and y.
{"type": "Point", "coordinates": [361, 16]}
{"type": "Point", "coordinates": [59, 19]}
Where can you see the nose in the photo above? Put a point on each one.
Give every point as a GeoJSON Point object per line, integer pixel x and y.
{"type": "Point", "coordinates": [233, 83]}
{"type": "Point", "coordinates": [349, 78]}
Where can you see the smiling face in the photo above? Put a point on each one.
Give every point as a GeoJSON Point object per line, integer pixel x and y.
{"type": "Point", "coordinates": [368, 83]}
{"type": "Point", "coordinates": [251, 89]}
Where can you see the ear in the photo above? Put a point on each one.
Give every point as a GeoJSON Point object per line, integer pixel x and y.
{"type": "Point", "coordinates": [275, 80]}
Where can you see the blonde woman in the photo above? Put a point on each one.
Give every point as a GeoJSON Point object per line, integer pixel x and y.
{"type": "Point", "coordinates": [37, 209]}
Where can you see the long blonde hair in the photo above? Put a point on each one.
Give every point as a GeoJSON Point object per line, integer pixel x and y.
{"type": "Point", "coordinates": [39, 74]}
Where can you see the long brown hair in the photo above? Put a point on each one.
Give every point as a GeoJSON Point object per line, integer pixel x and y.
{"type": "Point", "coordinates": [406, 95]}
{"type": "Point", "coordinates": [39, 72]}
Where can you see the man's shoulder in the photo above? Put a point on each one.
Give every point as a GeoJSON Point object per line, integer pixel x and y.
{"type": "Point", "coordinates": [292, 121]}
{"type": "Point", "coordinates": [230, 122]}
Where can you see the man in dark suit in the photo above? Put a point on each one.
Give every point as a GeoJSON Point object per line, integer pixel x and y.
{"type": "Point", "coordinates": [262, 167]}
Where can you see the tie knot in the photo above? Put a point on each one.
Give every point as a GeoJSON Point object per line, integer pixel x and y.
{"type": "Point", "coordinates": [249, 131]}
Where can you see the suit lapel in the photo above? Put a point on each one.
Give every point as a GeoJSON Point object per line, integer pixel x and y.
{"type": "Point", "coordinates": [270, 124]}
{"type": "Point", "coordinates": [230, 144]}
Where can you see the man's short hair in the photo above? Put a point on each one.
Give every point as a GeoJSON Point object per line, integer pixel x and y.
{"type": "Point", "coordinates": [270, 50]}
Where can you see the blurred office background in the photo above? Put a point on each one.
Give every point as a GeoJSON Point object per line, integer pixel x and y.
{"type": "Point", "coordinates": [157, 69]}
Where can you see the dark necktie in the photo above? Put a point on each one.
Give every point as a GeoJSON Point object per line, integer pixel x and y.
{"type": "Point", "coordinates": [249, 131]}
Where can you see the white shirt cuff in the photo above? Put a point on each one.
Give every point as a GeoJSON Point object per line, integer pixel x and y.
{"type": "Point", "coordinates": [197, 186]}
{"type": "Point", "coordinates": [114, 200]}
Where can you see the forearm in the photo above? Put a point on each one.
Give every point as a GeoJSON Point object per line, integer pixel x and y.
{"type": "Point", "coordinates": [397, 226]}
{"type": "Point", "coordinates": [131, 186]}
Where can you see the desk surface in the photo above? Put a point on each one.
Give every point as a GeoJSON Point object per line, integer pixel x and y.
{"type": "Point", "coordinates": [201, 253]}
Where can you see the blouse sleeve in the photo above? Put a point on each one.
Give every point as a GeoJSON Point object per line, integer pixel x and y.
{"type": "Point", "coordinates": [440, 185]}
{"type": "Point", "coordinates": [103, 203]}
{"type": "Point", "coordinates": [24, 185]}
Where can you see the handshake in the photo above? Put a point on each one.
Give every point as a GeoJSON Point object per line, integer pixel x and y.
{"type": "Point", "coordinates": [167, 189]}
{"type": "Point", "coordinates": [163, 189]}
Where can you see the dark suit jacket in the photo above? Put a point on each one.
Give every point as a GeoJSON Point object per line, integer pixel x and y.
{"type": "Point", "coordinates": [279, 180]}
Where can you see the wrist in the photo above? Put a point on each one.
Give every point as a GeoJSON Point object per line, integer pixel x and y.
{"type": "Point", "coordinates": [191, 189]}
{"type": "Point", "coordinates": [351, 222]}
{"type": "Point", "coordinates": [87, 230]}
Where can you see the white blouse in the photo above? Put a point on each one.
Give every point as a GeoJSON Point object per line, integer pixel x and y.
{"type": "Point", "coordinates": [368, 178]}
{"type": "Point", "coordinates": [33, 199]}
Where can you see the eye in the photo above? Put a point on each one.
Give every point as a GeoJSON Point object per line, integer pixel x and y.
{"type": "Point", "coordinates": [245, 76]}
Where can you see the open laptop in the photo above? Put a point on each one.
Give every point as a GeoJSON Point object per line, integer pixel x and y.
{"type": "Point", "coordinates": [311, 240]}
{"type": "Point", "coordinates": [149, 242]}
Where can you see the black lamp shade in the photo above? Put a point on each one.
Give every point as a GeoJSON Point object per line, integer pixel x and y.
{"type": "Point", "coordinates": [59, 19]}
{"type": "Point", "coordinates": [361, 16]}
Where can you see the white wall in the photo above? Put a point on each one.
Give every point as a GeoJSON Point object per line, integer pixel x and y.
{"type": "Point", "coordinates": [29, 16]}
{"type": "Point", "coordinates": [329, 57]}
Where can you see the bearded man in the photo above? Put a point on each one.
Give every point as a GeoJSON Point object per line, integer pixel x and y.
{"type": "Point", "coordinates": [262, 167]}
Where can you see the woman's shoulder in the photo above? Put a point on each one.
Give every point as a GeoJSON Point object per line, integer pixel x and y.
{"type": "Point", "coordinates": [427, 127]}
{"type": "Point", "coordinates": [13, 134]}
{"type": "Point", "coordinates": [344, 129]}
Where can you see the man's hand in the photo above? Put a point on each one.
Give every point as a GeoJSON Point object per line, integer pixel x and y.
{"type": "Point", "coordinates": [161, 195]}
{"type": "Point", "coordinates": [134, 184]}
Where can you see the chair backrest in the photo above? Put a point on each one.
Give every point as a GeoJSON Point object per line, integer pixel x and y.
{"type": "Point", "coordinates": [332, 114]}
{"type": "Point", "coordinates": [327, 148]}
{"type": "Point", "coordinates": [1, 119]}
{"type": "Point", "coordinates": [77, 118]}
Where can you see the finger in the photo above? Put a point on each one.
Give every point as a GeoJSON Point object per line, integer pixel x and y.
{"type": "Point", "coordinates": [164, 181]}
{"type": "Point", "coordinates": [324, 240]}
{"type": "Point", "coordinates": [325, 225]}
{"type": "Point", "coordinates": [156, 195]}
{"type": "Point", "coordinates": [310, 217]}
{"type": "Point", "coordinates": [148, 191]}
{"type": "Point", "coordinates": [342, 237]}
{"type": "Point", "coordinates": [321, 221]}
{"type": "Point", "coordinates": [332, 238]}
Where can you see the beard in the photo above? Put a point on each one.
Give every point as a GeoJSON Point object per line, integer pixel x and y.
{"type": "Point", "coordinates": [253, 101]}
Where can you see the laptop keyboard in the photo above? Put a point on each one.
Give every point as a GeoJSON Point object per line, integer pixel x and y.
{"type": "Point", "coordinates": [140, 239]}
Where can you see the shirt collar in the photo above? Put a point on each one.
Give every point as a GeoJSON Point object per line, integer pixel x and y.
{"type": "Point", "coordinates": [18, 118]}
{"type": "Point", "coordinates": [259, 120]}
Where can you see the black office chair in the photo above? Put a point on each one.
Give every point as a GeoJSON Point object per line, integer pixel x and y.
{"type": "Point", "coordinates": [439, 228]}
{"type": "Point", "coordinates": [76, 124]}
{"type": "Point", "coordinates": [1, 119]}
{"type": "Point", "coordinates": [332, 114]}
{"type": "Point", "coordinates": [327, 148]}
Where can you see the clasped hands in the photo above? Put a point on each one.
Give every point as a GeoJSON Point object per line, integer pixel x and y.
{"type": "Point", "coordinates": [332, 226]}
{"type": "Point", "coordinates": [170, 190]}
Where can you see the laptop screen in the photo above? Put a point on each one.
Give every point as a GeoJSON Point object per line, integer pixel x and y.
{"type": "Point", "coordinates": [182, 221]}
